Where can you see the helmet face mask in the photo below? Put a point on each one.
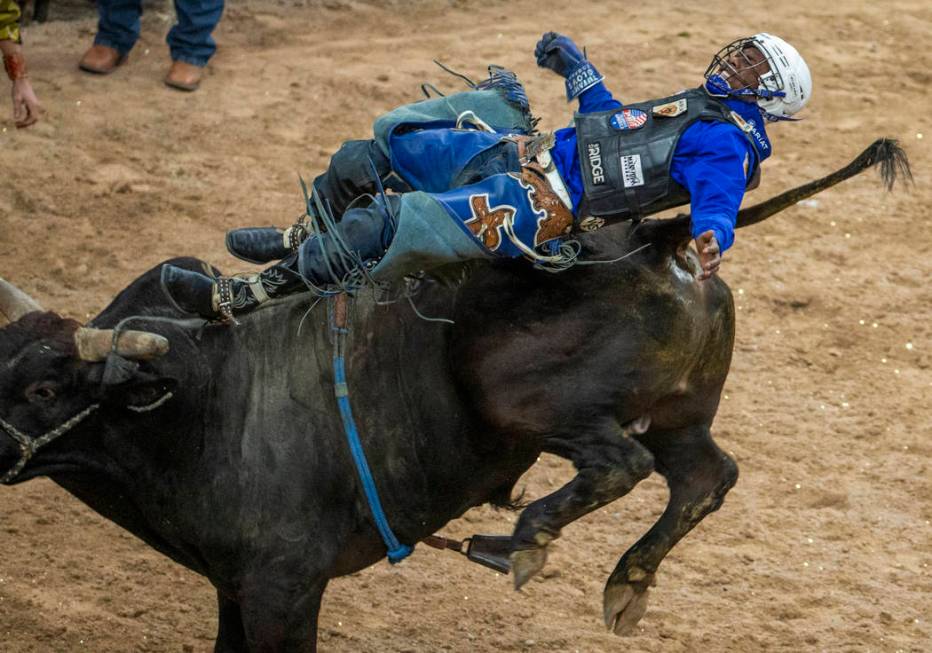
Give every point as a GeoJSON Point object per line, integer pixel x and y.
{"type": "Point", "coordinates": [741, 65]}
{"type": "Point", "coordinates": [763, 68]}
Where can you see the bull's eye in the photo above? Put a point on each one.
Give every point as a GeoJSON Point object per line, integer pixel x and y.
{"type": "Point", "coordinates": [41, 391]}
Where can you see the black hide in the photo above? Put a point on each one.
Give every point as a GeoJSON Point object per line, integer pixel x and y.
{"type": "Point", "coordinates": [245, 476]}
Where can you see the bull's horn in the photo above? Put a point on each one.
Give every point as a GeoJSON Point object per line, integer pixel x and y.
{"type": "Point", "coordinates": [94, 344]}
{"type": "Point", "coordinates": [14, 303]}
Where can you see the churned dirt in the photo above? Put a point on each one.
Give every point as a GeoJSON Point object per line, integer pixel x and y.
{"type": "Point", "coordinates": [824, 544]}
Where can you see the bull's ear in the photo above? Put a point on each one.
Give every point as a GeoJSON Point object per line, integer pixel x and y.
{"type": "Point", "coordinates": [142, 395]}
{"type": "Point", "coordinates": [126, 385]}
{"type": "Point", "coordinates": [118, 370]}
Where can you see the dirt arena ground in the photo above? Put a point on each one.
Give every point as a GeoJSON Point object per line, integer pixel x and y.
{"type": "Point", "coordinates": [825, 544]}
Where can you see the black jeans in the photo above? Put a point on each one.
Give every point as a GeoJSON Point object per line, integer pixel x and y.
{"type": "Point", "coordinates": [350, 173]}
{"type": "Point", "coordinates": [496, 160]}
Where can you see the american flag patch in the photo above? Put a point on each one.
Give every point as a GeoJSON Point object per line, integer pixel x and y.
{"type": "Point", "coordinates": [629, 119]}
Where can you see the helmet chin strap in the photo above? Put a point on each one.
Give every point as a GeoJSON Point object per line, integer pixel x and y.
{"type": "Point", "coordinates": [772, 117]}
{"type": "Point", "coordinates": [718, 86]}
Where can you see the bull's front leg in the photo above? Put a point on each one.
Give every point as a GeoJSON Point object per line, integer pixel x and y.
{"type": "Point", "coordinates": [279, 610]}
{"type": "Point", "coordinates": [699, 474]}
{"type": "Point", "coordinates": [231, 637]}
{"type": "Point", "coordinates": [609, 463]}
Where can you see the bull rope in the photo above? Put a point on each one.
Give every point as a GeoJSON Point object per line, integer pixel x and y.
{"type": "Point", "coordinates": [396, 550]}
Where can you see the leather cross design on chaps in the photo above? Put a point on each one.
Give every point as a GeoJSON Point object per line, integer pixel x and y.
{"type": "Point", "coordinates": [487, 223]}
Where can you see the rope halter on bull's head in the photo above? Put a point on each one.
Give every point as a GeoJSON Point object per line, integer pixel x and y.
{"type": "Point", "coordinates": [91, 345]}
{"type": "Point", "coordinates": [764, 69]}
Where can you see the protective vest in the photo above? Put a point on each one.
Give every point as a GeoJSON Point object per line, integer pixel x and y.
{"type": "Point", "coordinates": [625, 154]}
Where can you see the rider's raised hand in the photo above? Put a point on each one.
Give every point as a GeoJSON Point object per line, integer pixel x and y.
{"type": "Point", "coordinates": [558, 53]}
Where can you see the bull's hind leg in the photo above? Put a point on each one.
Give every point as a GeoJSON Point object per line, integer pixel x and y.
{"type": "Point", "coordinates": [609, 463]}
{"type": "Point", "coordinates": [699, 474]}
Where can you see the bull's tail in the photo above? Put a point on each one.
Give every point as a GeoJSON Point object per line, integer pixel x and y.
{"type": "Point", "coordinates": [885, 151]}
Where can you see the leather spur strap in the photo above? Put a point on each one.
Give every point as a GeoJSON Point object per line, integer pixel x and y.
{"type": "Point", "coordinates": [340, 311]}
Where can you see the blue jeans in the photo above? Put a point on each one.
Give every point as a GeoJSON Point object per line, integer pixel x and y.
{"type": "Point", "coordinates": [189, 40]}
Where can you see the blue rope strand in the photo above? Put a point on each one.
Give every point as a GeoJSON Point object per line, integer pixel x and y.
{"type": "Point", "coordinates": [396, 551]}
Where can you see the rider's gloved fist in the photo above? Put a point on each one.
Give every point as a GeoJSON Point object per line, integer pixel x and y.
{"type": "Point", "coordinates": [559, 54]}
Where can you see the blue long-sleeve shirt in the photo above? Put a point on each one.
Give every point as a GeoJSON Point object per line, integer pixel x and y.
{"type": "Point", "coordinates": [712, 160]}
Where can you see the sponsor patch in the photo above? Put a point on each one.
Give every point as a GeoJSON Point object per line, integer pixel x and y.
{"type": "Point", "coordinates": [591, 223]}
{"type": "Point", "coordinates": [670, 109]}
{"type": "Point", "coordinates": [629, 119]}
{"type": "Point", "coordinates": [741, 122]}
{"type": "Point", "coordinates": [596, 171]}
{"type": "Point", "coordinates": [750, 127]}
{"type": "Point", "coordinates": [631, 173]}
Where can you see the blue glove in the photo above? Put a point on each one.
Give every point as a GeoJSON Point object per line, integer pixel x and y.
{"type": "Point", "coordinates": [559, 54]}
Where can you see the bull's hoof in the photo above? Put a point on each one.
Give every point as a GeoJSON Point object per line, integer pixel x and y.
{"type": "Point", "coordinates": [624, 604]}
{"type": "Point", "coordinates": [527, 562]}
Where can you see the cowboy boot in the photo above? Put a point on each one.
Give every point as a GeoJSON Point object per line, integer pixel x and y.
{"type": "Point", "coordinates": [325, 259]}
{"type": "Point", "coordinates": [260, 245]}
{"type": "Point", "coordinates": [357, 169]}
{"type": "Point", "coordinates": [227, 297]}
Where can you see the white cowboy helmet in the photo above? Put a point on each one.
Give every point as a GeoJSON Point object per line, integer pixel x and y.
{"type": "Point", "coordinates": [788, 73]}
{"type": "Point", "coordinates": [783, 90]}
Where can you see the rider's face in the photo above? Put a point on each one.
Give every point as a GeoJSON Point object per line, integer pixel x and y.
{"type": "Point", "coordinates": [747, 65]}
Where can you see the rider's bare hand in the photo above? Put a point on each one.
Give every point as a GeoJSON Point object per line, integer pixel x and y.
{"type": "Point", "coordinates": [710, 256]}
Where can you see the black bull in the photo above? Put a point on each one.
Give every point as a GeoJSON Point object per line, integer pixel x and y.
{"type": "Point", "coordinates": [227, 453]}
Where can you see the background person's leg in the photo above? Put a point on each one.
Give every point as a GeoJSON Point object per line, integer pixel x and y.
{"type": "Point", "coordinates": [117, 33]}
{"type": "Point", "coordinates": [118, 24]}
{"type": "Point", "coordinates": [191, 43]}
{"type": "Point", "coordinates": [190, 40]}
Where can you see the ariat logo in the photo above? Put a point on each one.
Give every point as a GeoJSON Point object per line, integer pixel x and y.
{"type": "Point", "coordinates": [761, 141]}
{"type": "Point", "coordinates": [595, 164]}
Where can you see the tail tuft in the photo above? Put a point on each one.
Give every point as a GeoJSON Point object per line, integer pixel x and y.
{"type": "Point", "coordinates": [893, 162]}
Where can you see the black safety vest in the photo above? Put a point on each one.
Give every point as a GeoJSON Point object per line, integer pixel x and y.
{"type": "Point", "coordinates": [625, 154]}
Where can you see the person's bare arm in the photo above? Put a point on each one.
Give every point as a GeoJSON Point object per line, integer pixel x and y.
{"type": "Point", "coordinates": [25, 103]}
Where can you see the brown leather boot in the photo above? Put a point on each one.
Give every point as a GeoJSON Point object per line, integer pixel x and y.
{"type": "Point", "coordinates": [184, 76]}
{"type": "Point", "coordinates": [101, 60]}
